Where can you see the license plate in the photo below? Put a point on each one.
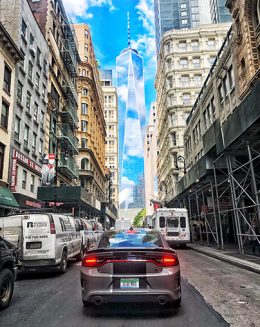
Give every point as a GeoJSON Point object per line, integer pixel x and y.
{"type": "Point", "coordinates": [129, 283]}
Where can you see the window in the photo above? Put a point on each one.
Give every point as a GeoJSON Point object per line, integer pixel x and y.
{"type": "Point", "coordinates": [225, 87]}
{"type": "Point", "coordinates": [24, 28]}
{"type": "Point", "coordinates": [19, 92]}
{"type": "Point", "coordinates": [168, 47]}
{"type": "Point", "coordinates": [2, 156]}
{"type": "Point", "coordinates": [38, 56]}
{"type": "Point", "coordinates": [183, 45]}
{"type": "Point", "coordinates": [83, 72]}
{"type": "Point", "coordinates": [34, 143]}
{"type": "Point", "coordinates": [185, 80]}
{"type": "Point", "coordinates": [170, 82]}
{"type": "Point", "coordinates": [197, 80]}
{"type": "Point", "coordinates": [37, 80]}
{"type": "Point", "coordinates": [184, 14]}
{"type": "Point", "coordinates": [195, 45]}
{"type": "Point", "coordinates": [84, 108]}
{"type": "Point", "coordinates": [184, 62]}
{"type": "Point", "coordinates": [212, 60]}
{"type": "Point", "coordinates": [84, 126]}
{"type": "Point", "coordinates": [31, 39]}
{"type": "Point", "coordinates": [84, 143]}
{"type": "Point", "coordinates": [35, 112]}
{"type": "Point", "coordinates": [84, 163]}
{"type": "Point", "coordinates": [173, 120]}
{"type": "Point", "coordinates": [7, 79]}
{"type": "Point", "coordinates": [4, 115]}
{"type": "Point", "coordinates": [42, 118]}
{"type": "Point", "coordinates": [231, 79]}
{"type": "Point", "coordinates": [162, 221]}
{"type": "Point", "coordinates": [30, 69]}
{"type": "Point", "coordinates": [26, 136]}
{"type": "Point", "coordinates": [17, 128]}
{"type": "Point", "coordinates": [43, 90]}
{"type": "Point", "coordinates": [44, 65]}
{"type": "Point", "coordinates": [174, 139]}
{"type": "Point", "coordinates": [211, 44]}
{"type": "Point", "coordinates": [186, 98]}
{"type": "Point", "coordinates": [213, 107]}
{"type": "Point", "coordinates": [184, 21]}
{"type": "Point", "coordinates": [221, 93]}
{"type": "Point", "coordinates": [32, 183]}
{"type": "Point", "coordinates": [28, 100]}
{"type": "Point", "coordinates": [183, 6]}
{"type": "Point", "coordinates": [196, 62]}
{"type": "Point", "coordinates": [40, 147]}
{"type": "Point", "coordinates": [24, 179]}
{"type": "Point", "coordinates": [84, 92]}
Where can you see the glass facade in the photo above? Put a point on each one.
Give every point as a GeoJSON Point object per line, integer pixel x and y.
{"type": "Point", "coordinates": [178, 14]}
{"type": "Point", "coordinates": [131, 115]}
{"type": "Point", "coordinates": [219, 12]}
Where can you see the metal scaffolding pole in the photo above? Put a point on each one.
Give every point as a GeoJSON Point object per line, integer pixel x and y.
{"type": "Point", "coordinates": [254, 183]}
{"type": "Point", "coordinates": [214, 213]}
{"type": "Point", "coordinates": [219, 214]}
{"type": "Point", "coordinates": [198, 213]}
{"type": "Point", "coordinates": [234, 202]}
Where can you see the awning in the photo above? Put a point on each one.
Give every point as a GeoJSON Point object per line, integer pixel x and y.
{"type": "Point", "coordinates": [7, 199]}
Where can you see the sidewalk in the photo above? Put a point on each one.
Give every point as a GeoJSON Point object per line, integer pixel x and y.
{"type": "Point", "coordinates": [246, 261]}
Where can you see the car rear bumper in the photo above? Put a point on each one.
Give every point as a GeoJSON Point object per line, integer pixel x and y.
{"type": "Point", "coordinates": [166, 287]}
{"type": "Point", "coordinates": [176, 242]}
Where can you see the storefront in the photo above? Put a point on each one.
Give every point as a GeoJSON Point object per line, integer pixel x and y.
{"type": "Point", "coordinates": [7, 201]}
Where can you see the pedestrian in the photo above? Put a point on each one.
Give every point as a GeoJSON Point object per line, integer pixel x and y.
{"type": "Point", "coordinates": [253, 231]}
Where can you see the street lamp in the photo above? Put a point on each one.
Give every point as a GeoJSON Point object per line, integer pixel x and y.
{"type": "Point", "coordinates": [181, 159]}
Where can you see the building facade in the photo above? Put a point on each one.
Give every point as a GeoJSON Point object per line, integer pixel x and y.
{"type": "Point", "coordinates": [30, 105]}
{"type": "Point", "coordinates": [10, 55]}
{"type": "Point", "coordinates": [111, 118]}
{"type": "Point", "coordinates": [186, 57]}
{"type": "Point", "coordinates": [150, 162]}
{"type": "Point", "coordinates": [219, 11]}
{"type": "Point", "coordinates": [220, 187]}
{"type": "Point", "coordinates": [91, 132]}
{"type": "Point", "coordinates": [131, 119]}
{"type": "Point", "coordinates": [175, 14]}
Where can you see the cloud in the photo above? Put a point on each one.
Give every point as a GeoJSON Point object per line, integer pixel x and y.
{"type": "Point", "coordinates": [126, 195]}
{"type": "Point", "coordinates": [79, 8]}
{"type": "Point", "coordinates": [133, 138]}
{"type": "Point", "coordinates": [145, 43]}
{"type": "Point", "coordinates": [122, 92]}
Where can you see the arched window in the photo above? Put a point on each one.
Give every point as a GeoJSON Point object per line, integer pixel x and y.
{"type": "Point", "coordinates": [85, 163]}
{"type": "Point", "coordinates": [83, 72]}
{"type": "Point", "coordinates": [258, 12]}
{"type": "Point", "coordinates": [84, 92]}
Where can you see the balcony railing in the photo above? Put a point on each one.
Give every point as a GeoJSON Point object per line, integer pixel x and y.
{"type": "Point", "coordinates": [67, 138]}
{"type": "Point", "coordinates": [69, 115]}
{"type": "Point", "coordinates": [68, 166]}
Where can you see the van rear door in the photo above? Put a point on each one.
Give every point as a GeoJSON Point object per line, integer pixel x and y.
{"type": "Point", "coordinates": [39, 239]}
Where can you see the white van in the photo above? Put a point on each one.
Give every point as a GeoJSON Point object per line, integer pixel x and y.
{"type": "Point", "coordinates": [122, 223]}
{"type": "Point", "coordinates": [173, 223]}
{"type": "Point", "coordinates": [44, 240]}
{"type": "Point", "coordinates": [86, 231]}
{"type": "Point", "coordinates": [97, 228]}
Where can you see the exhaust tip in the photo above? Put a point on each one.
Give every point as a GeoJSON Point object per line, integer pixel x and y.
{"type": "Point", "coordinates": [98, 300]}
{"type": "Point", "coordinates": [162, 300]}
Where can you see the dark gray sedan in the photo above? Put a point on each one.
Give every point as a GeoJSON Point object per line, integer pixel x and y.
{"type": "Point", "coordinates": [135, 265]}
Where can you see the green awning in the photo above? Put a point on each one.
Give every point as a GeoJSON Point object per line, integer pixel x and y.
{"type": "Point", "coordinates": [7, 199]}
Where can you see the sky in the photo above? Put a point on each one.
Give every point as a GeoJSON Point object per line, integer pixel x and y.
{"type": "Point", "coordinates": [108, 22]}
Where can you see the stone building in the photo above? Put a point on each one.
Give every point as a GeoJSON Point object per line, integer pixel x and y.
{"type": "Point", "coordinates": [221, 185]}
{"type": "Point", "coordinates": [10, 55]}
{"type": "Point", "coordinates": [91, 132]}
{"type": "Point", "coordinates": [111, 118]}
{"type": "Point", "coordinates": [30, 106]}
{"type": "Point", "coordinates": [185, 60]}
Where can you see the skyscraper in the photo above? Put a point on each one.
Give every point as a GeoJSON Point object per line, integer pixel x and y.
{"type": "Point", "coordinates": [178, 14]}
{"type": "Point", "coordinates": [131, 115]}
{"type": "Point", "coordinates": [219, 12]}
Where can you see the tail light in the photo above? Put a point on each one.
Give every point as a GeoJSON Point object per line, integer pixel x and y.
{"type": "Point", "coordinates": [164, 261]}
{"type": "Point", "coordinates": [92, 262]}
{"type": "Point", "coordinates": [52, 228]}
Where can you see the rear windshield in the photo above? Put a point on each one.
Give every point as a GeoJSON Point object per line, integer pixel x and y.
{"type": "Point", "coordinates": [173, 222]}
{"type": "Point", "coordinates": [130, 238]}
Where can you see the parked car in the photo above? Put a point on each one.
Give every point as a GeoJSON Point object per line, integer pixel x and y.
{"type": "Point", "coordinates": [7, 272]}
{"type": "Point", "coordinates": [135, 265]}
{"type": "Point", "coordinates": [86, 232]}
{"type": "Point", "coordinates": [45, 241]}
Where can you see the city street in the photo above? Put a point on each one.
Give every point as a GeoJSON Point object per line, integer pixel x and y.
{"type": "Point", "coordinates": [55, 300]}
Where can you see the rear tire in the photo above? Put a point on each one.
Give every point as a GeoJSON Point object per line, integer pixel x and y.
{"type": "Point", "coordinates": [80, 256]}
{"type": "Point", "coordinates": [6, 287]}
{"type": "Point", "coordinates": [63, 263]}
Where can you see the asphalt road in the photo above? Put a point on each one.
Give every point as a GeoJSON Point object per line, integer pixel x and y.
{"type": "Point", "coordinates": [55, 300]}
